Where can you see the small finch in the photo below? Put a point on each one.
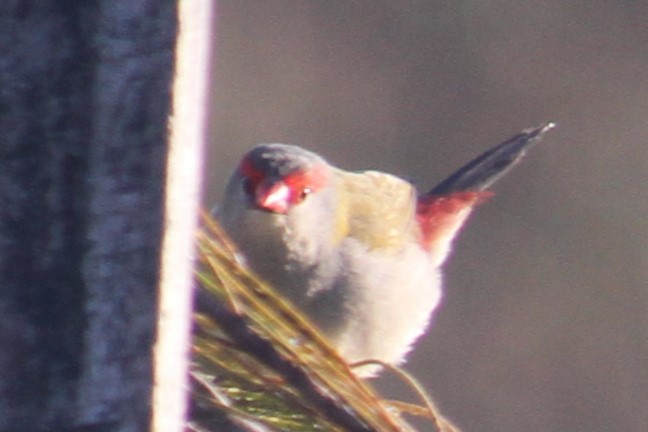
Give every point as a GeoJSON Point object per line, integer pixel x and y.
{"type": "Point", "coordinates": [360, 253]}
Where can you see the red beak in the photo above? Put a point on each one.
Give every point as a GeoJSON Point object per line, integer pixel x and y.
{"type": "Point", "coordinates": [274, 197]}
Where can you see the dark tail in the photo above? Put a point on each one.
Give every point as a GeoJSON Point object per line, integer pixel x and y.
{"type": "Point", "coordinates": [486, 169]}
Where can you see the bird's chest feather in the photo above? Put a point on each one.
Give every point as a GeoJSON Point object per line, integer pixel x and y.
{"type": "Point", "coordinates": [288, 252]}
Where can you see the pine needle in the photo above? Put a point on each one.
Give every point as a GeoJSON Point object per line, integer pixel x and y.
{"type": "Point", "coordinates": [258, 365]}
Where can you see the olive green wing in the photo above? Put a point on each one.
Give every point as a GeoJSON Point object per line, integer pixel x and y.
{"type": "Point", "coordinates": [378, 208]}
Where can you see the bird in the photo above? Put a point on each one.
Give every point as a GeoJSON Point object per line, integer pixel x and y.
{"type": "Point", "coordinates": [359, 253]}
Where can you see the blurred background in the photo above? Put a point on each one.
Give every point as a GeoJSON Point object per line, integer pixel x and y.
{"type": "Point", "coordinates": [544, 325]}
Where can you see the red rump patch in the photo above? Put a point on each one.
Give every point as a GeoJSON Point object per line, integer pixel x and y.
{"type": "Point", "coordinates": [440, 217]}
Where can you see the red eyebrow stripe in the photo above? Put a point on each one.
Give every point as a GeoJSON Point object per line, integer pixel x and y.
{"type": "Point", "coordinates": [248, 170]}
{"type": "Point", "coordinates": [314, 179]}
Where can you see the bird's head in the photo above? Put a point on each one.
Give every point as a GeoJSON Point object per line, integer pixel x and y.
{"type": "Point", "coordinates": [281, 206]}
{"type": "Point", "coordinates": [278, 177]}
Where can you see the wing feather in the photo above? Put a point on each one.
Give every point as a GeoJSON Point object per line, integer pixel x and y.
{"type": "Point", "coordinates": [380, 208]}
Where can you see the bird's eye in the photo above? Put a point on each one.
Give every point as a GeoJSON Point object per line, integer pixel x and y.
{"type": "Point", "coordinates": [304, 193]}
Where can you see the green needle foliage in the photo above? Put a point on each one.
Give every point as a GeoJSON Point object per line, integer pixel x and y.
{"type": "Point", "coordinates": [258, 365]}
